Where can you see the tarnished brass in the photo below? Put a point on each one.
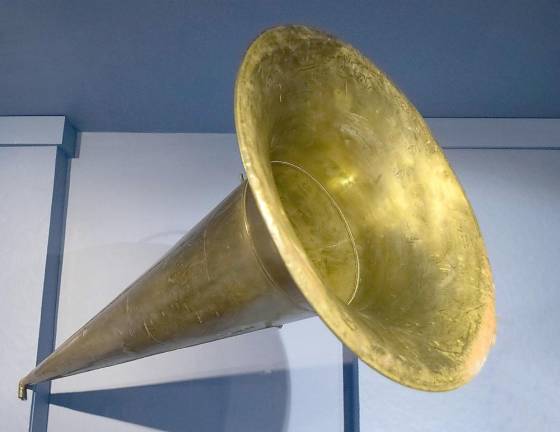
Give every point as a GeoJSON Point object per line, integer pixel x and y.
{"type": "Point", "coordinates": [350, 211]}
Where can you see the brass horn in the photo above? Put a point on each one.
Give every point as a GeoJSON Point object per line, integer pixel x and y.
{"type": "Point", "coordinates": [351, 212]}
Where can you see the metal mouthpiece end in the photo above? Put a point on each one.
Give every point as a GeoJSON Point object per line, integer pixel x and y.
{"type": "Point", "coordinates": [22, 391]}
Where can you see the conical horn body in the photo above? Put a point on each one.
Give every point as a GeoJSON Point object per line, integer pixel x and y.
{"type": "Point", "coordinates": [351, 211]}
{"type": "Point", "coordinates": [223, 278]}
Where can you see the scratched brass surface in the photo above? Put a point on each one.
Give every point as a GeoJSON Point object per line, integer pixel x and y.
{"type": "Point", "coordinates": [350, 211]}
{"type": "Point", "coordinates": [212, 284]}
{"type": "Point", "coordinates": [422, 309]}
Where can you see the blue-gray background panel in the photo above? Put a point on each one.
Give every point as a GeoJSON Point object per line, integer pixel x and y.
{"type": "Point", "coordinates": [169, 66]}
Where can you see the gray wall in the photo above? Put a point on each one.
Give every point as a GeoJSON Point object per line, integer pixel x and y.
{"type": "Point", "coordinates": [170, 66]}
{"type": "Point", "coordinates": [26, 186]}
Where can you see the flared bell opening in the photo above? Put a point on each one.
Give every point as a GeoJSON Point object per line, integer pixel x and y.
{"type": "Point", "coordinates": [364, 209]}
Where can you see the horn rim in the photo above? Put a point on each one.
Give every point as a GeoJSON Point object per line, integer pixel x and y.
{"type": "Point", "coordinates": [337, 319]}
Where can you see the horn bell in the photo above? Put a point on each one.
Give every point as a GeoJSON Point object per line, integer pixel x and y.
{"type": "Point", "coordinates": [364, 209]}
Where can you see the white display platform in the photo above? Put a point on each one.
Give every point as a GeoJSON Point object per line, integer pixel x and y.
{"type": "Point", "coordinates": [133, 195]}
{"type": "Point", "coordinates": [34, 160]}
{"type": "Point", "coordinates": [26, 187]}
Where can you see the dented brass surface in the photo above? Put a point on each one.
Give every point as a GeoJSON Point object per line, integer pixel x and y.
{"type": "Point", "coordinates": [351, 211]}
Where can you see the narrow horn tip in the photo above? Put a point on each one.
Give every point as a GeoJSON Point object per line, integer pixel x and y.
{"type": "Point", "coordinates": [22, 391]}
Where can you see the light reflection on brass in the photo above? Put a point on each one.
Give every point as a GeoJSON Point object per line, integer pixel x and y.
{"type": "Point", "coordinates": [350, 211]}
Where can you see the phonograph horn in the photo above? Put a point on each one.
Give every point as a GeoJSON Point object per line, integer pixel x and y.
{"type": "Point", "coordinates": [351, 212]}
